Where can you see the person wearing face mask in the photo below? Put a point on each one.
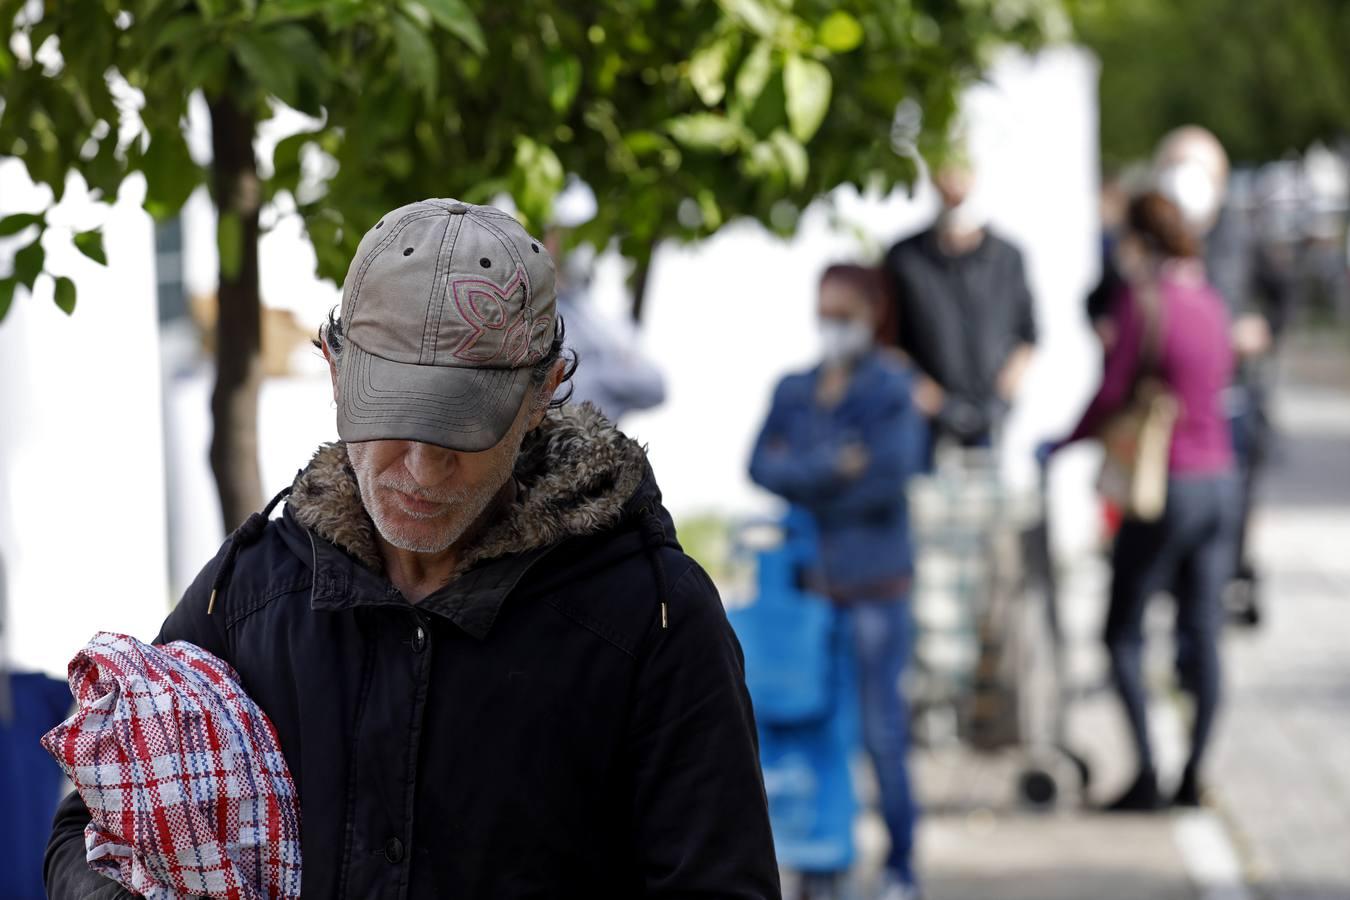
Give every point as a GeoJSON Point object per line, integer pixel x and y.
{"type": "Point", "coordinates": [841, 441]}
{"type": "Point", "coordinates": [968, 316]}
{"type": "Point", "coordinates": [1190, 168]}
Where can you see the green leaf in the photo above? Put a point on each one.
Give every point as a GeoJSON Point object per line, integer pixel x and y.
{"type": "Point", "coordinates": [311, 67]}
{"type": "Point", "coordinates": [286, 169]}
{"type": "Point", "coordinates": [214, 9]}
{"type": "Point", "coordinates": [537, 178]}
{"type": "Point", "coordinates": [104, 171]}
{"type": "Point", "coordinates": [90, 243]}
{"type": "Point", "coordinates": [754, 74]}
{"type": "Point", "coordinates": [707, 131]}
{"type": "Point", "coordinates": [708, 69]}
{"type": "Point", "coordinates": [416, 55]}
{"type": "Point", "coordinates": [18, 222]}
{"type": "Point", "coordinates": [282, 10]}
{"type": "Point", "coordinates": [7, 286]}
{"type": "Point", "coordinates": [230, 244]}
{"type": "Point", "coordinates": [268, 65]}
{"type": "Point", "coordinates": [65, 295]}
{"type": "Point", "coordinates": [456, 17]}
{"type": "Point", "coordinates": [807, 83]}
{"type": "Point", "coordinates": [209, 67]}
{"type": "Point", "coordinates": [758, 16]}
{"type": "Point", "coordinates": [564, 81]}
{"type": "Point", "coordinates": [28, 263]}
{"type": "Point", "coordinates": [792, 155]}
{"type": "Point", "coordinates": [170, 174]}
{"type": "Point", "coordinates": [709, 210]}
{"type": "Point", "coordinates": [345, 14]}
{"type": "Point", "coordinates": [761, 161]}
{"type": "Point", "coordinates": [840, 32]}
{"type": "Point", "coordinates": [644, 143]}
{"type": "Point", "coordinates": [180, 34]}
{"type": "Point", "coordinates": [301, 50]}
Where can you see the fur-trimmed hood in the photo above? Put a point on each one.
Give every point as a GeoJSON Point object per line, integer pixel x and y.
{"type": "Point", "coordinates": [576, 475]}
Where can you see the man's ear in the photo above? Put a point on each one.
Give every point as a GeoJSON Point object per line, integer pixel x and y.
{"type": "Point", "coordinates": [332, 367]}
{"type": "Point", "coordinates": [546, 392]}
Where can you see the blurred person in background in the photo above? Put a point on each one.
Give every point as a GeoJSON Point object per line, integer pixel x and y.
{"type": "Point", "coordinates": [617, 378]}
{"type": "Point", "coordinates": [842, 441]}
{"type": "Point", "coordinates": [1114, 200]}
{"type": "Point", "coordinates": [1191, 169]}
{"type": "Point", "coordinates": [491, 669]}
{"type": "Point", "coordinates": [1189, 548]}
{"type": "Point", "coordinates": [966, 315]}
{"type": "Point", "coordinates": [1251, 275]}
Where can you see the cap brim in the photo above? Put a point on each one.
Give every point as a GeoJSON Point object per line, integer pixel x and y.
{"type": "Point", "coordinates": [461, 408]}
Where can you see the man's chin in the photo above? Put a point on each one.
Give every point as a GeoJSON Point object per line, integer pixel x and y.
{"type": "Point", "coordinates": [417, 535]}
{"type": "Point", "coordinates": [417, 543]}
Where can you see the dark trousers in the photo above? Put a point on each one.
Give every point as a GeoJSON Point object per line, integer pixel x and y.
{"type": "Point", "coordinates": [1250, 425]}
{"type": "Point", "coordinates": [1190, 549]}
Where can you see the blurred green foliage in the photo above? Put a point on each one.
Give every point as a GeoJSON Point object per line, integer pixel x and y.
{"type": "Point", "coordinates": [1266, 76]}
{"type": "Point", "coordinates": [707, 538]}
{"type": "Point", "coordinates": [681, 114]}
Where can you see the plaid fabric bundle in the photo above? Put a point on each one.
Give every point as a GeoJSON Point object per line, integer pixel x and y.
{"type": "Point", "coordinates": [182, 774]}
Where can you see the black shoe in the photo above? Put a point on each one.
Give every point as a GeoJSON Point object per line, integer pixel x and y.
{"type": "Point", "coordinates": [1142, 796]}
{"type": "Point", "coordinates": [1189, 794]}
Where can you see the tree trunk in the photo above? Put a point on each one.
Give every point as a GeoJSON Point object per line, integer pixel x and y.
{"type": "Point", "coordinates": [640, 273]}
{"type": "Point", "coordinates": [234, 403]}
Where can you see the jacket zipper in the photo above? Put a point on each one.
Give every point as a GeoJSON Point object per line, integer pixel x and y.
{"type": "Point", "coordinates": [313, 567]}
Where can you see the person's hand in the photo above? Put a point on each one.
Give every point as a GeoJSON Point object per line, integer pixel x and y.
{"type": "Point", "coordinates": [1013, 372]}
{"type": "Point", "coordinates": [852, 461]}
{"type": "Point", "coordinates": [1106, 330]}
{"type": "Point", "coordinates": [929, 396]}
{"type": "Point", "coordinates": [1251, 336]}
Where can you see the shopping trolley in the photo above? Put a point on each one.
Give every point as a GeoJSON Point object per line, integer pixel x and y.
{"type": "Point", "coordinates": [988, 668]}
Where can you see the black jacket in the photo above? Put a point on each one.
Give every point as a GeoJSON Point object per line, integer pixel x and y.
{"type": "Point", "coordinates": [961, 318]}
{"type": "Point", "coordinates": [567, 718]}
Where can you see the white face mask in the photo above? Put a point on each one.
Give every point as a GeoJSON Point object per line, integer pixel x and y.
{"type": "Point", "coordinates": [1193, 188]}
{"type": "Point", "coordinates": [966, 217]}
{"type": "Point", "coordinates": [844, 340]}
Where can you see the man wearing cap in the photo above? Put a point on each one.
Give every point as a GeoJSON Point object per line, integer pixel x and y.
{"type": "Point", "coordinates": [491, 669]}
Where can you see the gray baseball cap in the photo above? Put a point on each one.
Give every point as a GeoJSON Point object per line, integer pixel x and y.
{"type": "Point", "coordinates": [446, 308]}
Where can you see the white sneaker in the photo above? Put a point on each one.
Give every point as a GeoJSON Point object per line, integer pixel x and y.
{"type": "Point", "coordinates": [893, 888]}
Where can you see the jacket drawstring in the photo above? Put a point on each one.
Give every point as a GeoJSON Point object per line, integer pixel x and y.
{"type": "Point", "coordinates": [244, 535]}
{"type": "Point", "coordinates": [654, 539]}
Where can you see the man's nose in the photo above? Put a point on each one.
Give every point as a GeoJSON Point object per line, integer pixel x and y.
{"type": "Point", "coordinates": [428, 464]}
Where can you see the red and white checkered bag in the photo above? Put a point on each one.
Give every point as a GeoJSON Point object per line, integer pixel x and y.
{"type": "Point", "coordinates": [184, 779]}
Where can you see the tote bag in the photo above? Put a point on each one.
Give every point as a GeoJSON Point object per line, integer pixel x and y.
{"type": "Point", "coordinates": [1138, 439]}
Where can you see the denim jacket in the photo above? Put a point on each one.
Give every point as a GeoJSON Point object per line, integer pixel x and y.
{"type": "Point", "coordinates": [863, 520]}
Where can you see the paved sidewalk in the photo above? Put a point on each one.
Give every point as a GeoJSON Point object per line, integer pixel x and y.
{"type": "Point", "coordinates": [1282, 765]}
{"type": "Point", "coordinates": [979, 843]}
